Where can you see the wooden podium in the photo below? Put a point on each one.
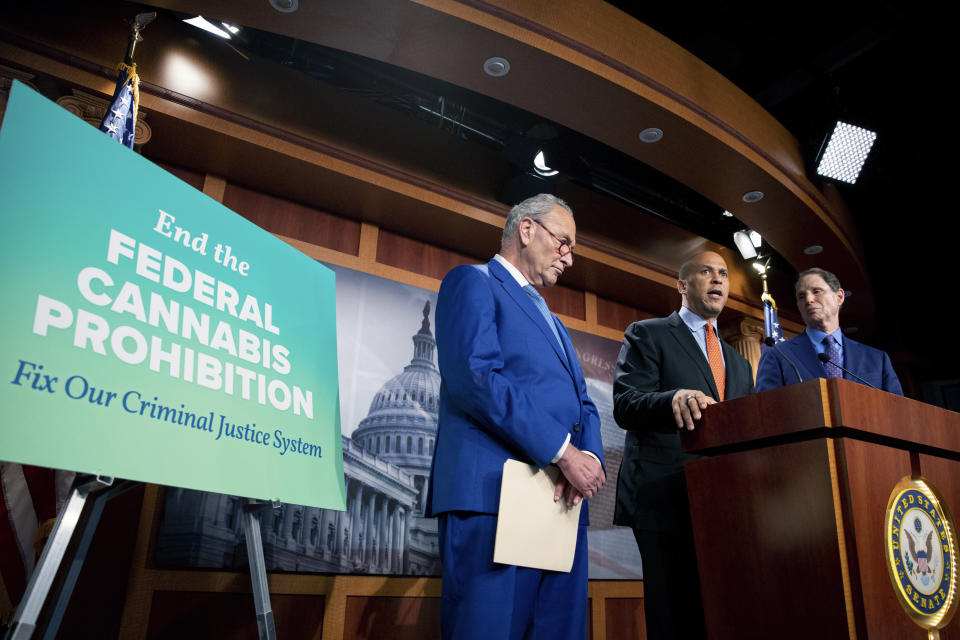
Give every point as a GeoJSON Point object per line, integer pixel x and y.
{"type": "Point", "coordinates": [788, 508]}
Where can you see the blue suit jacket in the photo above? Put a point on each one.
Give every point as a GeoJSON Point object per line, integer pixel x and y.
{"type": "Point", "coordinates": [507, 390]}
{"type": "Point", "coordinates": [870, 364]}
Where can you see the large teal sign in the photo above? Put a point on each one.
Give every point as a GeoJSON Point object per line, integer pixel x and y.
{"type": "Point", "coordinates": [150, 333]}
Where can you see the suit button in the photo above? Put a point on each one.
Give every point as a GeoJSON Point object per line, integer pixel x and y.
{"type": "Point", "coordinates": [576, 427]}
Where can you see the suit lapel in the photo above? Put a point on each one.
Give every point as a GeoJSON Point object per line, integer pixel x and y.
{"type": "Point", "coordinates": [853, 357]}
{"type": "Point", "coordinates": [529, 308]}
{"type": "Point", "coordinates": [733, 373]}
{"type": "Point", "coordinates": [802, 352]}
{"type": "Point", "coordinates": [681, 332]}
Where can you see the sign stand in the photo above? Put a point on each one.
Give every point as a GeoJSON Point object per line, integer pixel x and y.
{"type": "Point", "coordinates": [80, 513]}
{"type": "Point", "coordinates": [67, 548]}
{"type": "Point", "coordinates": [258, 571]}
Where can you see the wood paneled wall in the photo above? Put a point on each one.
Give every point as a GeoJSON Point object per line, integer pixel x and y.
{"type": "Point", "coordinates": [366, 247]}
{"type": "Point", "coordinates": [366, 193]}
{"type": "Point", "coordinates": [165, 603]}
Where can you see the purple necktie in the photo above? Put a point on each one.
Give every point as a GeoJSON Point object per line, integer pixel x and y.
{"type": "Point", "coordinates": [832, 349]}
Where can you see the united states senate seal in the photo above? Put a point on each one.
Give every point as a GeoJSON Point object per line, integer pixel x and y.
{"type": "Point", "coordinates": [921, 547]}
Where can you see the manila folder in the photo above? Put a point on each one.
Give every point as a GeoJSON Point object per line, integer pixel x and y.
{"type": "Point", "coordinates": [532, 529]}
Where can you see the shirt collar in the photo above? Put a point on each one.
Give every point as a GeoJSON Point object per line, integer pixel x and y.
{"type": "Point", "coordinates": [512, 270]}
{"type": "Point", "coordinates": [817, 336]}
{"type": "Point", "coordinates": [694, 322]}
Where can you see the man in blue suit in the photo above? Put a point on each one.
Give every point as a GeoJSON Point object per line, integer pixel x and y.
{"type": "Point", "coordinates": [511, 387]}
{"type": "Point", "coordinates": [819, 298]}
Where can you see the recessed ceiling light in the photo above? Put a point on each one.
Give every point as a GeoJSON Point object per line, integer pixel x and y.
{"type": "Point", "coordinates": [651, 134]}
{"type": "Point", "coordinates": [752, 196]}
{"type": "Point", "coordinates": [727, 214]}
{"type": "Point", "coordinates": [813, 250]}
{"type": "Point", "coordinates": [285, 6]}
{"type": "Point", "coordinates": [496, 67]}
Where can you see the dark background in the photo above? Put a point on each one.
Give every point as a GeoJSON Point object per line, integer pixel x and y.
{"type": "Point", "coordinates": [885, 66]}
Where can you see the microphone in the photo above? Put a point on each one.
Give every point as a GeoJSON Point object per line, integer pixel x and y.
{"type": "Point", "coordinates": [824, 358]}
{"type": "Point", "coordinates": [770, 342]}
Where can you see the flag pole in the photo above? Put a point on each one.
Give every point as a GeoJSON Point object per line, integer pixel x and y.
{"type": "Point", "coordinates": [139, 22]}
{"type": "Point", "coordinates": [120, 119]}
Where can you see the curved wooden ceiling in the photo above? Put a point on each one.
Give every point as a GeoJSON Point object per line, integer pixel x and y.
{"type": "Point", "coordinates": [584, 65]}
{"type": "Point", "coordinates": [592, 68]}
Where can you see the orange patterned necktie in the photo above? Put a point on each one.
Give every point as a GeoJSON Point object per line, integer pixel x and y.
{"type": "Point", "coordinates": [716, 360]}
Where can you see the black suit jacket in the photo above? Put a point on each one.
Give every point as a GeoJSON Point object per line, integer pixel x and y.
{"type": "Point", "coordinates": [658, 357]}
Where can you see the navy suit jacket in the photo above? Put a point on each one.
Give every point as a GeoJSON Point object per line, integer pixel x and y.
{"type": "Point", "coordinates": [870, 364]}
{"type": "Point", "coordinates": [507, 390]}
{"type": "Point", "coordinates": [658, 357]}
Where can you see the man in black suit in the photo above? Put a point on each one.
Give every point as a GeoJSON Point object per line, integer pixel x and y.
{"type": "Point", "coordinates": [669, 370]}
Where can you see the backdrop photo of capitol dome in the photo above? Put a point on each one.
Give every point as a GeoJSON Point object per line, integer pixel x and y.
{"type": "Point", "coordinates": [389, 394]}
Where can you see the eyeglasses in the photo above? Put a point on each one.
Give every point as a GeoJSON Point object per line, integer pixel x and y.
{"type": "Point", "coordinates": [564, 247]}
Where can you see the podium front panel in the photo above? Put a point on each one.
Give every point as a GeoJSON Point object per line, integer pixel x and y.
{"type": "Point", "coordinates": [769, 545]}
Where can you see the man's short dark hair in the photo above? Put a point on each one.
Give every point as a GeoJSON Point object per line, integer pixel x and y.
{"type": "Point", "coordinates": [687, 267]}
{"type": "Point", "coordinates": [832, 281]}
{"type": "Point", "coordinates": [692, 264]}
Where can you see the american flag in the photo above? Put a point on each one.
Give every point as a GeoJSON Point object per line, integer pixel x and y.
{"type": "Point", "coordinates": [120, 121]}
{"type": "Point", "coordinates": [771, 322]}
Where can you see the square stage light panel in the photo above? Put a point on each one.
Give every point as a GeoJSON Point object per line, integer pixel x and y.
{"type": "Point", "coordinates": [846, 152]}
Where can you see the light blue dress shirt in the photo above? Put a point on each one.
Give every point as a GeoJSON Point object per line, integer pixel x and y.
{"type": "Point", "coordinates": [816, 338]}
{"type": "Point", "coordinates": [696, 325]}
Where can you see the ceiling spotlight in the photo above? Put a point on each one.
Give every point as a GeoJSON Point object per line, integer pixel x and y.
{"type": "Point", "coordinates": [752, 196]}
{"type": "Point", "coordinates": [496, 67]}
{"type": "Point", "coordinates": [747, 243]}
{"type": "Point", "coordinates": [202, 23]}
{"type": "Point", "coordinates": [813, 250]}
{"type": "Point", "coordinates": [540, 166]}
{"type": "Point", "coordinates": [727, 214]}
{"type": "Point", "coordinates": [846, 152]}
{"type": "Point", "coordinates": [651, 134]}
{"type": "Point", "coordinates": [143, 19]}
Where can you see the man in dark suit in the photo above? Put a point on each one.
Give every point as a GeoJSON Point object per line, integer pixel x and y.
{"type": "Point", "coordinates": [669, 370]}
{"type": "Point", "coordinates": [819, 298]}
{"type": "Point", "coordinates": [511, 387]}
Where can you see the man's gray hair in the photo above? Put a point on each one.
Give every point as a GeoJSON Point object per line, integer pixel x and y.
{"type": "Point", "coordinates": [832, 281]}
{"type": "Point", "coordinates": [535, 208]}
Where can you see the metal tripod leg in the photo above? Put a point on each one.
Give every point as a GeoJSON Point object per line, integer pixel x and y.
{"type": "Point", "coordinates": [25, 620]}
{"type": "Point", "coordinates": [258, 571]}
{"type": "Point", "coordinates": [87, 528]}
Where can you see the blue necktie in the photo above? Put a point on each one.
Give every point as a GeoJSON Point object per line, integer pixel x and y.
{"type": "Point", "coordinates": [545, 312]}
{"type": "Point", "coordinates": [832, 349]}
